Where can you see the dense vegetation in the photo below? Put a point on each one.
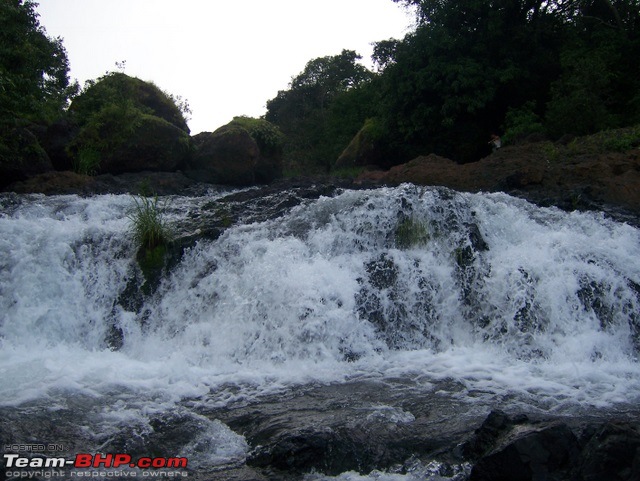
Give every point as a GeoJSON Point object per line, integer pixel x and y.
{"type": "Point", "coordinates": [34, 81]}
{"type": "Point", "coordinates": [469, 69]}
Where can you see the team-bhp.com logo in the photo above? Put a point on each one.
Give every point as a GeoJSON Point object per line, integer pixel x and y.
{"type": "Point", "coordinates": [92, 465]}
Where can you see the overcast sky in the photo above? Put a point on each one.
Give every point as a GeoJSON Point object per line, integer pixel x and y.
{"type": "Point", "coordinates": [226, 57]}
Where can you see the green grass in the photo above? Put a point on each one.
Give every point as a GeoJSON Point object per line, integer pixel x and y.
{"type": "Point", "coordinates": [149, 226]}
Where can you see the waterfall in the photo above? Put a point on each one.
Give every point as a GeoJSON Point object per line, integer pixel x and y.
{"type": "Point", "coordinates": [488, 291]}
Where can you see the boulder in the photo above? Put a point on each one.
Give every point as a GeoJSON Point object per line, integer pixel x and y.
{"type": "Point", "coordinates": [154, 145]}
{"type": "Point", "coordinates": [518, 449]}
{"type": "Point", "coordinates": [611, 454]}
{"type": "Point", "coordinates": [119, 89]}
{"type": "Point", "coordinates": [532, 453]}
{"type": "Point", "coordinates": [227, 156]}
{"type": "Point", "coordinates": [21, 156]}
{"type": "Point", "coordinates": [270, 141]}
{"type": "Point", "coordinates": [363, 150]}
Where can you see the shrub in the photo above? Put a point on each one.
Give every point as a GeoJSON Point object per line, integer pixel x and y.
{"type": "Point", "coordinates": [519, 123]}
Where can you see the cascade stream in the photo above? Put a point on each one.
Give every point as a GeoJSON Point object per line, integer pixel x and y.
{"type": "Point", "coordinates": [391, 304]}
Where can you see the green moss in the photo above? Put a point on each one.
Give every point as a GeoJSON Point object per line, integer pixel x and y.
{"type": "Point", "coordinates": [411, 233]}
{"type": "Point", "coordinates": [269, 138]}
{"type": "Point", "coordinates": [152, 263]}
{"type": "Point", "coordinates": [110, 110]}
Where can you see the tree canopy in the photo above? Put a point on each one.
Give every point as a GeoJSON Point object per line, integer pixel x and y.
{"type": "Point", "coordinates": [34, 69]}
{"type": "Point", "coordinates": [471, 68]}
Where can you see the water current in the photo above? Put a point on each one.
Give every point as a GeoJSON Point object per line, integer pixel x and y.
{"type": "Point", "coordinates": [512, 303]}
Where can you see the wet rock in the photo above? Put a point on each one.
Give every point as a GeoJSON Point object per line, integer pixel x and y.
{"type": "Point", "coordinates": [546, 453]}
{"type": "Point", "coordinates": [611, 454]}
{"type": "Point", "coordinates": [492, 429]}
{"type": "Point", "coordinates": [516, 448]}
{"type": "Point", "coordinates": [357, 426]}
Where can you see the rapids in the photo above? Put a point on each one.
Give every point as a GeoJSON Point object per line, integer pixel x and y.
{"type": "Point", "coordinates": [513, 304]}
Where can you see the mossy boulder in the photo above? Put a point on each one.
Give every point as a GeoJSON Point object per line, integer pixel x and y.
{"type": "Point", "coordinates": [127, 125]}
{"type": "Point", "coordinates": [365, 149]}
{"type": "Point", "coordinates": [270, 141]}
{"type": "Point", "coordinates": [227, 156]}
{"type": "Point", "coordinates": [121, 89]}
{"type": "Point", "coordinates": [154, 145]}
{"type": "Point", "coordinates": [21, 156]}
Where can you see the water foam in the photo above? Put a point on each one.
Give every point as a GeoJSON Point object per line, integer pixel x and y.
{"type": "Point", "coordinates": [503, 297]}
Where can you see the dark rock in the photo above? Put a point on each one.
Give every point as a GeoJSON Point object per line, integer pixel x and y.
{"type": "Point", "coordinates": [611, 454]}
{"type": "Point", "coordinates": [268, 167]}
{"type": "Point", "coordinates": [546, 453]}
{"type": "Point", "coordinates": [486, 436]}
{"type": "Point", "coordinates": [21, 156]}
{"type": "Point", "coordinates": [358, 426]}
{"type": "Point", "coordinates": [161, 183]}
{"type": "Point", "coordinates": [154, 145]}
{"type": "Point", "coordinates": [515, 448]}
{"type": "Point", "coordinates": [227, 156]}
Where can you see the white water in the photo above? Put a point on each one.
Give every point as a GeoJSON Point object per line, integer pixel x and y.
{"type": "Point", "coordinates": [544, 316]}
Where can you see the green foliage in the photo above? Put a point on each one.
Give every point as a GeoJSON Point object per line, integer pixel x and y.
{"type": "Point", "coordinates": [469, 68]}
{"type": "Point", "coordinates": [622, 140]}
{"type": "Point", "coordinates": [585, 98]}
{"type": "Point", "coordinates": [87, 161]}
{"type": "Point", "coordinates": [34, 81]}
{"type": "Point", "coordinates": [411, 233]}
{"type": "Point", "coordinates": [520, 122]}
{"type": "Point", "coordinates": [323, 108]}
{"type": "Point", "coordinates": [148, 224]}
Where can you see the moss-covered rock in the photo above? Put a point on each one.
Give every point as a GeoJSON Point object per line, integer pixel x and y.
{"type": "Point", "coordinates": [365, 148]}
{"type": "Point", "coordinates": [127, 125]}
{"type": "Point", "coordinates": [270, 141]}
{"type": "Point", "coordinates": [227, 156]}
{"type": "Point", "coordinates": [119, 89]}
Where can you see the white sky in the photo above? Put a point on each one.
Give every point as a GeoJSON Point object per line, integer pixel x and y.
{"type": "Point", "coordinates": [226, 57]}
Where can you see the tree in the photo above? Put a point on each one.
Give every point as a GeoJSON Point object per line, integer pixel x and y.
{"type": "Point", "coordinates": [452, 80]}
{"type": "Point", "coordinates": [34, 89]}
{"type": "Point", "coordinates": [34, 69]}
{"type": "Point", "coordinates": [304, 111]}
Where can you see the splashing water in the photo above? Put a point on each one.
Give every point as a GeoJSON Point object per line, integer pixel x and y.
{"type": "Point", "coordinates": [507, 299]}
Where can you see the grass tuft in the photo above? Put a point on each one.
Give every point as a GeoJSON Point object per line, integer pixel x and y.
{"type": "Point", "coordinates": [149, 227]}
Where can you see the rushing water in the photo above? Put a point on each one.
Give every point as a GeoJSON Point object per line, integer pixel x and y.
{"type": "Point", "coordinates": [514, 303]}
